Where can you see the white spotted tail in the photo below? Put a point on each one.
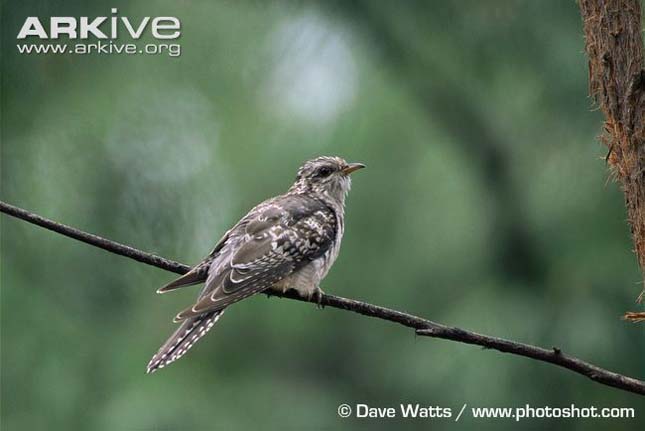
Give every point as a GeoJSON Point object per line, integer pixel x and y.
{"type": "Point", "coordinates": [190, 331]}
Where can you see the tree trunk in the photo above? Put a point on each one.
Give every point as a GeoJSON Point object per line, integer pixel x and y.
{"type": "Point", "coordinates": [617, 83]}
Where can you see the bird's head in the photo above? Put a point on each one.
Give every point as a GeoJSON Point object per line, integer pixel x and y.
{"type": "Point", "coordinates": [326, 176]}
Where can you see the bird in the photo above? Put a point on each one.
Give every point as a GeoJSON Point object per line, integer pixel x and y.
{"type": "Point", "coordinates": [286, 242]}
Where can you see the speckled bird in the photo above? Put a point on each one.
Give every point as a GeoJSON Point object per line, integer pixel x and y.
{"type": "Point", "coordinates": [286, 242]}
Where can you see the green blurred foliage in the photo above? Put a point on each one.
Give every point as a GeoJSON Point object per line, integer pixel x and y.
{"type": "Point", "coordinates": [485, 205]}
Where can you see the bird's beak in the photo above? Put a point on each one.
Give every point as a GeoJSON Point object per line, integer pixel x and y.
{"type": "Point", "coordinates": [351, 167]}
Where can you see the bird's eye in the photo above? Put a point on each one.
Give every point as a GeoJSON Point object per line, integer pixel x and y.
{"type": "Point", "coordinates": [325, 171]}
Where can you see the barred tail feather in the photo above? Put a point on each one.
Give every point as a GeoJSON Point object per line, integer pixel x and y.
{"type": "Point", "coordinates": [190, 331]}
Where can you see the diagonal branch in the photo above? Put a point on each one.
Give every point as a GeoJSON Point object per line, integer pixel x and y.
{"type": "Point", "coordinates": [421, 326]}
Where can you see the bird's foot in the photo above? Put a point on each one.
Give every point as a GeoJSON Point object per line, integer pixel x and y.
{"type": "Point", "coordinates": [277, 290]}
{"type": "Point", "coordinates": [317, 296]}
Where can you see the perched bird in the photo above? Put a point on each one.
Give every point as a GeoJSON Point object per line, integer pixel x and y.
{"type": "Point", "coordinates": [286, 242]}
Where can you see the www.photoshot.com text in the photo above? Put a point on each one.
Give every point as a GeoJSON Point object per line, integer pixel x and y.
{"type": "Point", "coordinates": [520, 413]}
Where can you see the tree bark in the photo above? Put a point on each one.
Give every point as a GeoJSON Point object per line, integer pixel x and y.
{"type": "Point", "coordinates": [617, 83]}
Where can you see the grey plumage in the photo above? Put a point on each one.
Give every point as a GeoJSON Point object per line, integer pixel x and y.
{"type": "Point", "coordinates": [287, 242]}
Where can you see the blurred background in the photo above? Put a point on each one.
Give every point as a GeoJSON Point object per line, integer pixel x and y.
{"type": "Point", "coordinates": [486, 205]}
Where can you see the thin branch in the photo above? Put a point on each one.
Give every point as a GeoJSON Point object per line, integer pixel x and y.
{"type": "Point", "coordinates": [422, 326]}
{"type": "Point", "coordinates": [95, 240]}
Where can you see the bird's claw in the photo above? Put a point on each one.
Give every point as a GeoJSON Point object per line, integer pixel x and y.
{"type": "Point", "coordinates": [317, 296]}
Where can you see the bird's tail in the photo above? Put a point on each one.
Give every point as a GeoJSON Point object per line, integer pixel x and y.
{"type": "Point", "coordinates": [190, 331]}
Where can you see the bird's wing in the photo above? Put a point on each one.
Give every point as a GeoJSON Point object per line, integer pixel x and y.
{"type": "Point", "coordinates": [199, 272]}
{"type": "Point", "coordinates": [277, 240]}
